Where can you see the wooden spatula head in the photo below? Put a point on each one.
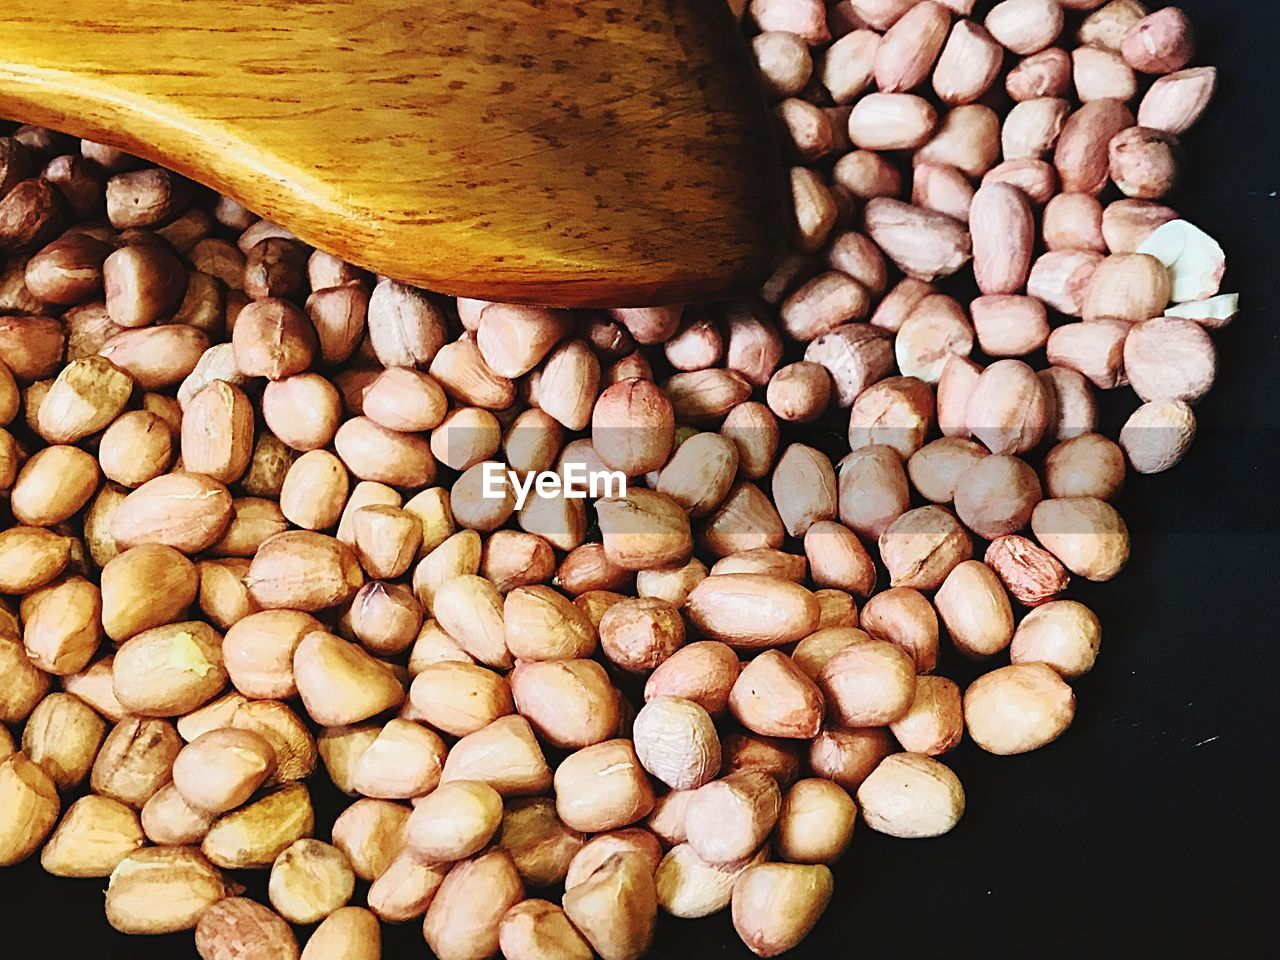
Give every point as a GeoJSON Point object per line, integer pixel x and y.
{"type": "Point", "coordinates": [564, 152]}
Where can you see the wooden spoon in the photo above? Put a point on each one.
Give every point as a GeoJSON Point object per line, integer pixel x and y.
{"type": "Point", "coordinates": [565, 152]}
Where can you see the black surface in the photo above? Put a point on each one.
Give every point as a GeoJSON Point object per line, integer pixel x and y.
{"type": "Point", "coordinates": [1150, 827]}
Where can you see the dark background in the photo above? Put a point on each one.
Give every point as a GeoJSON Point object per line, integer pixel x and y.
{"type": "Point", "coordinates": [1150, 826]}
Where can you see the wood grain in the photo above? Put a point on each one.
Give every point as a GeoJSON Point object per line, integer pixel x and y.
{"type": "Point", "coordinates": [567, 152]}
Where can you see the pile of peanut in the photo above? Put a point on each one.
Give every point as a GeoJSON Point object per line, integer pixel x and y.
{"type": "Point", "coordinates": [250, 540]}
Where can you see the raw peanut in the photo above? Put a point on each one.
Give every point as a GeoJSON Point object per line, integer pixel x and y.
{"type": "Point", "coordinates": [62, 736]}
{"type": "Point", "coordinates": [727, 820]}
{"type": "Point", "coordinates": [170, 670]}
{"type": "Point", "coordinates": [910, 795]}
{"type": "Point", "coordinates": [752, 610]}
{"type": "Point", "coordinates": [162, 890]}
{"type": "Point", "coordinates": [644, 529]}
{"type": "Point", "coordinates": [934, 331]}
{"type": "Point", "coordinates": [31, 346]}
{"type": "Point", "coordinates": [873, 490]}
{"type": "Point", "coordinates": [273, 339]}
{"type": "Point", "coordinates": [968, 64]}
{"type": "Point", "coordinates": [869, 683]}
{"type": "Point", "coordinates": [753, 430]}
{"type": "Point", "coordinates": [1169, 358]}
{"type": "Point", "coordinates": [1094, 349]}
{"type": "Point", "coordinates": [54, 484]}
{"type": "Point", "coordinates": [404, 761]}
{"type": "Point", "coordinates": [1160, 43]}
{"type": "Point", "coordinates": [909, 48]}
{"type": "Point", "coordinates": [1032, 127]}
{"type": "Point", "coordinates": [505, 755]}
{"type": "Point", "coordinates": [1127, 223]}
{"type": "Point", "coordinates": [1071, 398]}
{"type": "Point", "coordinates": [465, 437]}
{"type": "Point", "coordinates": [217, 432]}
{"type": "Point", "coordinates": [405, 327]}
{"type": "Point", "coordinates": [615, 907]}
{"type": "Point", "coordinates": [30, 800]}
{"type": "Point", "coordinates": [135, 448]}
{"type": "Point", "coordinates": [433, 645]}
{"type": "Point", "coordinates": [806, 132]}
{"type": "Point", "coordinates": [1009, 325]}
{"type": "Point", "coordinates": [511, 563]}
{"type": "Point", "coordinates": [955, 385]}
{"type": "Point", "coordinates": [703, 673]}
{"type": "Point", "coordinates": [996, 495]}
{"type": "Point", "coordinates": [144, 198]}
{"type": "Point", "coordinates": [866, 174]}
{"type": "Point", "coordinates": [855, 255]}
{"type": "Point", "coordinates": [1145, 163]}
{"type": "Point", "coordinates": [567, 389]}
{"type": "Point", "coordinates": [1007, 409]}
{"type": "Point", "coordinates": [1081, 154]}
{"type": "Point", "coordinates": [1061, 279]}
{"type": "Point", "coordinates": [469, 609]}
{"type": "Point", "coordinates": [457, 555]}
{"type": "Point", "coordinates": [806, 19]}
{"type": "Point", "coordinates": [804, 485]}
{"type": "Point", "coordinates": [31, 213]}
{"type": "Point", "coordinates": [1085, 533]}
{"type": "Point", "coordinates": [460, 698]}
{"type": "Point", "coordinates": [144, 587]}
{"type": "Point", "coordinates": [701, 395]}
{"type": "Point", "coordinates": [815, 209]}
{"type": "Point", "coordinates": [142, 283]}
{"type": "Point", "coordinates": [1101, 74]}
{"type": "Point", "coordinates": [1031, 574]}
{"type": "Point", "coordinates": [569, 703]}
{"type": "Point", "coordinates": [79, 182]}
{"type": "Point", "coordinates": [602, 787]}
{"type": "Point", "coordinates": [276, 723]}
{"type": "Point", "coordinates": [1003, 231]}
{"type": "Point", "coordinates": [1157, 435]}
{"type": "Point", "coordinates": [856, 355]}
{"type": "Point", "coordinates": [1089, 465]}
{"type": "Point", "coordinates": [632, 427]}
{"type": "Point", "coordinates": [1074, 221]}
{"type": "Point", "coordinates": [86, 396]}
{"type": "Point", "coordinates": [667, 819]}
{"type": "Point", "coordinates": [221, 769]}
{"type": "Point", "coordinates": [238, 927]}
{"type": "Point", "coordinates": [799, 392]}
{"type": "Point", "coordinates": [847, 757]}
{"type": "Point", "coordinates": [539, 930]}
{"type": "Point", "coordinates": [753, 345]}
{"type": "Point", "coordinates": [338, 315]}
{"type": "Point", "coordinates": [700, 472]}
{"type": "Point", "coordinates": [936, 467]}
{"type": "Point", "coordinates": [968, 138]}
{"type": "Point", "coordinates": [275, 267]}
{"type": "Point", "coordinates": [632, 842]}
{"type": "Point", "coordinates": [942, 188]}
{"type": "Point", "coordinates": [62, 625]}
{"type": "Point", "coordinates": [923, 243]}
{"type": "Point", "coordinates": [649, 324]}
{"type": "Point", "coordinates": [404, 890]}
{"type": "Point", "coordinates": [314, 490]}
{"type": "Point", "coordinates": [922, 546]}
{"type": "Point", "coordinates": [783, 61]}
{"type": "Point", "coordinates": [676, 742]}
{"type": "Point", "coordinates": [350, 933]}
{"type": "Point", "coordinates": [302, 570]}
{"type": "Point", "coordinates": [975, 610]}
{"type": "Point", "coordinates": [454, 821]}
{"type": "Point", "coordinates": [92, 685]}
{"type": "Point", "coordinates": [774, 698]}
{"type": "Point", "coordinates": [340, 683]}
{"type": "Point", "coordinates": [95, 834]}
{"type": "Point", "coordinates": [258, 652]}
{"type": "Point", "coordinates": [780, 759]}
{"type": "Point", "coordinates": [1018, 708]}
{"type": "Point", "coordinates": [934, 724]}
{"type": "Point", "coordinates": [373, 452]}
{"type": "Point", "coordinates": [902, 616]}
{"type": "Point", "coordinates": [816, 822]}
{"type": "Point", "coordinates": [1035, 179]}
{"type": "Point", "coordinates": [341, 749]}
{"type": "Point", "coordinates": [182, 510]}
{"type": "Point", "coordinates": [823, 303]}
{"type": "Point", "coordinates": [812, 653]}
{"type": "Point", "coordinates": [837, 558]}
{"type": "Point", "coordinates": [1043, 74]}
{"type": "Point", "coordinates": [303, 411]}
{"type": "Point", "coordinates": [775, 905]}
{"type": "Point", "coordinates": [1063, 634]}
{"type": "Point", "coordinates": [689, 886]}
{"type": "Point", "coordinates": [1025, 26]}
{"type": "Point", "coordinates": [1106, 27]}
{"type": "Point", "coordinates": [1177, 100]}
{"type": "Point", "coordinates": [31, 557]}
{"type": "Point", "coordinates": [386, 539]}
{"type": "Point", "coordinates": [255, 834]}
